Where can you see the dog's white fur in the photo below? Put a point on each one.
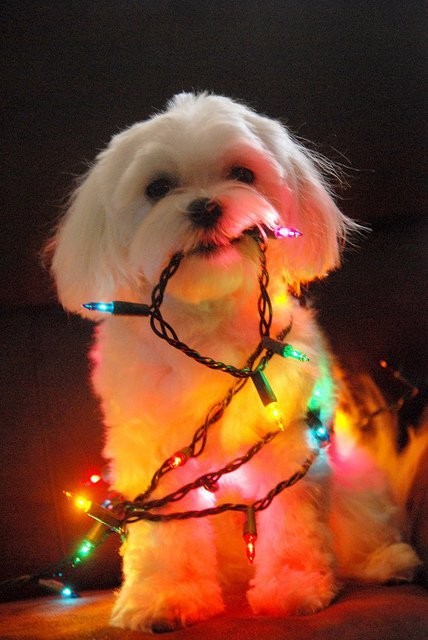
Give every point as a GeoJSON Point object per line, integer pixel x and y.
{"type": "Point", "coordinates": [113, 244]}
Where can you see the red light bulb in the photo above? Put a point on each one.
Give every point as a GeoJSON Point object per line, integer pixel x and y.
{"type": "Point", "coordinates": [250, 534]}
{"type": "Point", "coordinates": [250, 539]}
{"type": "Point", "coordinates": [179, 458]}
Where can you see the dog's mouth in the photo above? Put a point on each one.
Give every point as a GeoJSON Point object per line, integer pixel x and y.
{"type": "Point", "coordinates": [211, 248]}
{"type": "Point", "coordinates": [205, 249]}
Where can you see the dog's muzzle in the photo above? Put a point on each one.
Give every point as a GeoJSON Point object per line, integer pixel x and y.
{"type": "Point", "coordinates": [204, 213]}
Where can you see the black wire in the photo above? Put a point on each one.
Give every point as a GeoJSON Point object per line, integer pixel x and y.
{"type": "Point", "coordinates": [207, 479]}
{"type": "Point", "coordinates": [139, 508]}
{"type": "Point", "coordinates": [166, 332]}
{"type": "Point", "coordinates": [143, 513]}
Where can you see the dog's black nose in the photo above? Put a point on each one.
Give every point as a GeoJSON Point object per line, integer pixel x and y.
{"type": "Point", "coordinates": [204, 212]}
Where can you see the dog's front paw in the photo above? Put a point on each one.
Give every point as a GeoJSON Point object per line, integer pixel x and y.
{"type": "Point", "coordinates": [165, 606]}
{"type": "Point", "coordinates": [292, 592]}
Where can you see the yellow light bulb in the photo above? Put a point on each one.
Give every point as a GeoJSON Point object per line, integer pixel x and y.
{"type": "Point", "coordinates": [280, 299]}
{"type": "Point", "coordinates": [274, 413]}
{"type": "Point", "coordinates": [83, 503]}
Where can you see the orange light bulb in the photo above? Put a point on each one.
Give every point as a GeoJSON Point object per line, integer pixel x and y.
{"type": "Point", "coordinates": [250, 534]}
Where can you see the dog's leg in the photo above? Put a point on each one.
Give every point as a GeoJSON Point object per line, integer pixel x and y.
{"type": "Point", "coordinates": [367, 539]}
{"type": "Point", "coordinates": [294, 564]}
{"type": "Point", "coordinates": [169, 576]}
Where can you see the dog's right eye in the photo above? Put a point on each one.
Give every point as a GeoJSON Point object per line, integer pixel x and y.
{"type": "Point", "coordinates": [242, 174]}
{"type": "Point", "coordinates": [159, 188]}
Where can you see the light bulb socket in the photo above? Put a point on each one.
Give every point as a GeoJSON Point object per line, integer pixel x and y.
{"type": "Point", "coordinates": [263, 388]}
{"type": "Point", "coordinates": [98, 533]}
{"type": "Point", "coordinates": [250, 528]}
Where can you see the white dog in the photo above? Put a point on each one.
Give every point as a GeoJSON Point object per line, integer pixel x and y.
{"type": "Point", "coordinates": [212, 182]}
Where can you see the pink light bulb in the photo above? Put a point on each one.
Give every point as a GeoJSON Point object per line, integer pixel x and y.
{"type": "Point", "coordinates": [286, 232]}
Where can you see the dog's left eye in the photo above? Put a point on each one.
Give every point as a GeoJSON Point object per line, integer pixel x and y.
{"type": "Point", "coordinates": [159, 188]}
{"type": "Point", "coordinates": [242, 174]}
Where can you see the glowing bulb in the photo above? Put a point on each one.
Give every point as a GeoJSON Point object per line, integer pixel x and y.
{"type": "Point", "coordinates": [323, 391]}
{"type": "Point", "coordinates": [58, 587]}
{"type": "Point", "coordinates": [86, 548]}
{"type": "Point", "coordinates": [95, 478]}
{"type": "Point", "coordinates": [79, 501]}
{"type": "Point", "coordinates": [285, 350]}
{"type": "Point", "coordinates": [83, 503]}
{"type": "Point", "coordinates": [103, 307]}
{"type": "Point", "coordinates": [286, 232]}
{"type": "Point", "coordinates": [342, 422]}
{"type": "Point", "coordinates": [273, 412]}
{"type": "Point", "coordinates": [280, 299]}
{"type": "Point", "coordinates": [321, 434]}
{"type": "Point", "coordinates": [179, 458]}
{"type": "Point", "coordinates": [82, 552]}
{"type": "Point", "coordinates": [290, 352]}
{"type": "Point", "coordinates": [250, 540]}
{"type": "Point", "coordinates": [104, 516]}
{"type": "Point", "coordinates": [250, 534]}
{"type": "Point", "coordinates": [119, 307]}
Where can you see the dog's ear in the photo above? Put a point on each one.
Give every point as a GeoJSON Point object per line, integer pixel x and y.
{"type": "Point", "coordinates": [309, 207]}
{"type": "Point", "coordinates": [85, 257]}
{"type": "Point", "coordinates": [306, 204]}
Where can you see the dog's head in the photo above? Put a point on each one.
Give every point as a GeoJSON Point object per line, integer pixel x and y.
{"type": "Point", "coordinates": [195, 179]}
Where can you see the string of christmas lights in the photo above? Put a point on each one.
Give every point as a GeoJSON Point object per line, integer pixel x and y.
{"type": "Point", "coordinates": [115, 514]}
{"type": "Point", "coordinates": [166, 332]}
{"type": "Point", "coordinates": [134, 513]}
{"type": "Point", "coordinates": [141, 507]}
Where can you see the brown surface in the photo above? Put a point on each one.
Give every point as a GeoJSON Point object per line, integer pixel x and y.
{"type": "Point", "coordinates": [369, 613]}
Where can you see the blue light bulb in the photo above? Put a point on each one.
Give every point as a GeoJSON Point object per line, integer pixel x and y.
{"type": "Point", "coordinates": [321, 433]}
{"type": "Point", "coordinates": [104, 307]}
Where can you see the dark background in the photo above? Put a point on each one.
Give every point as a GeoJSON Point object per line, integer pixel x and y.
{"type": "Point", "coordinates": [346, 75]}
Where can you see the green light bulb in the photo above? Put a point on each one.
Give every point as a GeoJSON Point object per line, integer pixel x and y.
{"type": "Point", "coordinates": [290, 352]}
{"type": "Point", "coordinates": [86, 548]}
{"type": "Point", "coordinates": [283, 349]}
{"type": "Point", "coordinates": [82, 552]}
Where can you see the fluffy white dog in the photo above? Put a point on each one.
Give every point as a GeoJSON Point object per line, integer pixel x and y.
{"type": "Point", "coordinates": [211, 181]}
